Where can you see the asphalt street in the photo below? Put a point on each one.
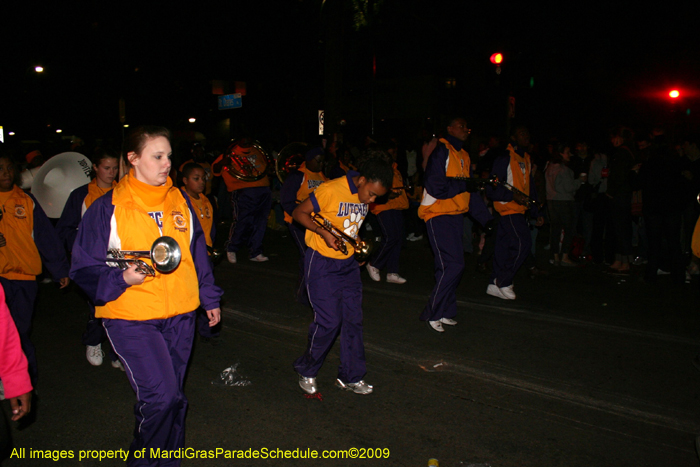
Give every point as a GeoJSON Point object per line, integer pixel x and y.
{"type": "Point", "coordinates": [583, 369]}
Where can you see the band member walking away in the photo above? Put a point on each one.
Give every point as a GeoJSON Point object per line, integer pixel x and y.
{"type": "Point", "coordinates": [296, 189]}
{"type": "Point", "coordinates": [390, 219]}
{"type": "Point", "coordinates": [513, 240]}
{"type": "Point", "coordinates": [27, 238]}
{"type": "Point", "coordinates": [251, 202]}
{"type": "Point", "coordinates": [445, 201]}
{"type": "Point", "coordinates": [149, 320]}
{"type": "Point", "coordinates": [333, 277]}
{"type": "Point", "coordinates": [105, 165]}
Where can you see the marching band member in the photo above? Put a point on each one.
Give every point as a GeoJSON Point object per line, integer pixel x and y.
{"type": "Point", "coordinates": [251, 203]}
{"type": "Point", "coordinates": [390, 219]}
{"type": "Point", "coordinates": [513, 240]}
{"type": "Point", "coordinates": [105, 165]}
{"type": "Point", "coordinates": [296, 188]}
{"type": "Point", "coordinates": [445, 201]}
{"type": "Point", "coordinates": [333, 279]}
{"type": "Point", "coordinates": [149, 321]}
{"type": "Point", "coordinates": [194, 179]}
{"type": "Point", "coordinates": [26, 238]}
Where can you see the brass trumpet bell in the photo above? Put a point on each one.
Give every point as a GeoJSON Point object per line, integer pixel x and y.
{"type": "Point", "coordinates": [165, 254]}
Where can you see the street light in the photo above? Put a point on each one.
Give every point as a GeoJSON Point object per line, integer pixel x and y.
{"type": "Point", "coordinates": [39, 69]}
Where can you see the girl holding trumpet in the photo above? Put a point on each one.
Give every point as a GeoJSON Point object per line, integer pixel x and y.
{"type": "Point", "coordinates": [333, 277]}
{"type": "Point", "coordinates": [149, 321]}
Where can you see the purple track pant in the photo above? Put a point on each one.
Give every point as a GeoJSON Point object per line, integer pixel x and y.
{"type": "Point", "coordinates": [335, 293]}
{"type": "Point", "coordinates": [251, 208]}
{"type": "Point", "coordinates": [387, 256]}
{"type": "Point", "coordinates": [513, 243]}
{"type": "Point", "coordinates": [155, 355]}
{"type": "Point", "coordinates": [445, 235]}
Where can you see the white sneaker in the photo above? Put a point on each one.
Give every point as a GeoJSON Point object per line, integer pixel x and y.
{"type": "Point", "coordinates": [231, 255]}
{"type": "Point", "coordinates": [508, 292]}
{"type": "Point", "coordinates": [448, 321]}
{"type": "Point", "coordinates": [94, 354]}
{"type": "Point", "coordinates": [415, 239]}
{"type": "Point", "coordinates": [494, 291]}
{"type": "Point", "coordinates": [410, 237]}
{"type": "Point", "coordinates": [394, 278]}
{"type": "Point", "coordinates": [436, 326]}
{"type": "Point", "coordinates": [260, 258]}
{"type": "Point", "coordinates": [373, 273]}
{"type": "Point", "coordinates": [118, 364]}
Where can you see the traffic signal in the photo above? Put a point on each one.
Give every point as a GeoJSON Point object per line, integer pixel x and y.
{"type": "Point", "coordinates": [674, 94]}
{"type": "Point", "coordinates": [497, 59]}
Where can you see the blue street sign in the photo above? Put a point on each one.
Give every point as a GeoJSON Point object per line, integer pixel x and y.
{"type": "Point", "coordinates": [230, 101]}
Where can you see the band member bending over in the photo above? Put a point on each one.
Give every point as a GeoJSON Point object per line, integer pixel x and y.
{"type": "Point", "coordinates": [149, 320]}
{"type": "Point", "coordinates": [333, 278]}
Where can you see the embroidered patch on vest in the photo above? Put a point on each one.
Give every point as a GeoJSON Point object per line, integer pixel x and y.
{"type": "Point", "coordinates": [180, 222]}
{"type": "Point", "coordinates": [20, 212]}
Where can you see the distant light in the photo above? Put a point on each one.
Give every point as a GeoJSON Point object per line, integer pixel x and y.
{"type": "Point", "coordinates": [39, 69]}
{"type": "Point", "coordinates": [687, 112]}
{"type": "Point", "coordinates": [497, 58]}
{"type": "Point", "coordinates": [532, 81]}
{"type": "Point", "coordinates": [59, 130]}
{"type": "Point", "coordinates": [192, 120]}
{"type": "Point", "coordinates": [12, 133]}
{"type": "Point", "coordinates": [126, 125]}
{"type": "Point", "coordinates": [674, 94]}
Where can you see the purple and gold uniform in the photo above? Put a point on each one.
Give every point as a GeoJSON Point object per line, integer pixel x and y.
{"type": "Point", "coordinates": [78, 202]}
{"type": "Point", "coordinates": [297, 187]}
{"type": "Point", "coordinates": [333, 284]}
{"type": "Point", "coordinates": [251, 203]}
{"type": "Point", "coordinates": [205, 214]}
{"type": "Point", "coordinates": [30, 238]}
{"type": "Point", "coordinates": [390, 221]}
{"type": "Point", "coordinates": [445, 201]}
{"type": "Point", "coordinates": [151, 325]}
{"type": "Point", "coordinates": [513, 240]}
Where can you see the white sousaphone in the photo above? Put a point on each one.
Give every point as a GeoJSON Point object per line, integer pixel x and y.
{"type": "Point", "coordinates": [57, 178]}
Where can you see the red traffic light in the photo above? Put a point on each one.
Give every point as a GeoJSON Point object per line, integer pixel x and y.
{"type": "Point", "coordinates": [674, 94]}
{"type": "Point", "coordinates": [497, 58]}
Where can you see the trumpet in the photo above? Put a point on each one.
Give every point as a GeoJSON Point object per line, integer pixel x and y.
{"type": "Point", "coordinates": [363, 248]}
{"type": "Point", "coordinates": [165, 254]}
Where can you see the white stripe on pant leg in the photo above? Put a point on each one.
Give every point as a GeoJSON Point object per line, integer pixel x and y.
{"type": "Point", "coordinates": [519, 243]}
{"type": "Point", "coordinates": [313, 253]}
{"type": "Point", "coordinates": [143, 417]}
{"type": "Point", "coordinates": [437, 287]}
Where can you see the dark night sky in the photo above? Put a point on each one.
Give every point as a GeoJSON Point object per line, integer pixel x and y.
{"type": "Point", "coordinates": [591, 68]}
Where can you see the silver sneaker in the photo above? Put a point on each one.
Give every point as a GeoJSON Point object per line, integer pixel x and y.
{"type": "Point", "coordinates": [358, 388]}
{"type": "Point", "coordinates": [308, 385]}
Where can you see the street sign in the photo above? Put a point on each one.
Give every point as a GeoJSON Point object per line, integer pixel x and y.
{"type": "Point", "coordinates": [230, 101]}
